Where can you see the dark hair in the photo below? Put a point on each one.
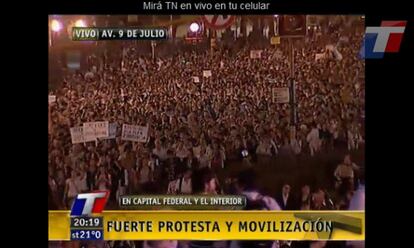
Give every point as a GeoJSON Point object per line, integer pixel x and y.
{"type": "Point", "coordinates": [247, 179]}
{"type": "Point", "coordinates": [128, 147]}
{"type": "Point", "coordinates": [200, 178]}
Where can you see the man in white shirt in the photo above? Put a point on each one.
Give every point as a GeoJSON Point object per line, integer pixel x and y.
{"type": "Point", "coordinates": [313, 139]}
{"type": "Point", "coordinates": [183, 184]}
{"type": "Point", "coordinates": [345, 171]}
{"type": "Point", "coordinates": [80, 181]}
{"type": "Point", "coordinates": [204, 158]}
{"type": "Point", "coordinates": [160, 151]}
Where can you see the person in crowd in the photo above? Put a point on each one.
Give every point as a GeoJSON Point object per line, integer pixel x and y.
{"type": "Point", "coordinates": [127, 157]}
{"type": "Point", "coordinates": [247, 185]}
{"type": "Point", "coordinates": [90, 177]}
{"type": "Point", "coordinates": [204, 159]}
{"type": "Point", "coordinates": [103, 179]}
{"type": "Point", "coordinates": [285, 199]}
{"type": "Point", "coordinates": [183, 154]}
{"type": "Point", "coordinates": [183, 184]}
{"type": "Point", "coordinates": [344, 172]}
{"type": "Point", "coordinates": [321, 201]}
{"type": "Point", "coordinates": [313, 140]}
{"type": "Point", "coordinates": [305, 198]}
{"type": "Point", "coordinates": [160, 151]}
{"type": "Point", "coordinates": [354, 138]}
{"type": "Point", "coordinates": [171, 166]}
{"type": "Point", "coordinates": [71, 189]}
{"type": "Point", "coordinates": [115, 175]}
{"type": "Point", "coordinates": [218, 157]}
{"type": "Point", "coordinates": [204, 182]}
{"type": "Point", "coordinates": [264, 151]}
{"type": "Point", "coordinates": [287, 149]}
{"type": "Point", "coordinates": [295, 144]}
{"type": "Point", "coordinates": [325, 137]}
{"type": "Point", "coordinates": [145, 172]}
{"type": "Point", "coordinates": [81, 180]}
{"type": "Point", "coordinates": [52, 192]}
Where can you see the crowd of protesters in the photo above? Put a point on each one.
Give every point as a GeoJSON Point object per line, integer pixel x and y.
{"type": "Point", "coordinates": [198, 124]}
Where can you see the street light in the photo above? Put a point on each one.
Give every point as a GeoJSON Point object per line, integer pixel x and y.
{"type": "Point", "coordinates": [194, 27]}
{"type": "Point", "coordinates": [56, 26]}
{"type": "Point", "coordinates": [80, 23]}
{"type": "Point", "coordinates": [276, 24]}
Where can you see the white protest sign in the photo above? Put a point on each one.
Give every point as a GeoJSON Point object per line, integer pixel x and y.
{"type": "Point", "coordinates": [134, 133]}
{"type": "Point", "coordinates": [196, 79]}
{"type": "Point", "coordinates": [95, 129]}
{"type": "Point", "coordinates": [89, 131]}
{"type": "Point", "coordinates": [281, 95]}
{"type": "Point", "coordinates": [52, 99]}
{"type": "Point", "coordinates": [113, 127]}
{"type": "Point", "coordinates": [255, 54]}
{"type": "Point", "coordinates": [76, 133]}
{"type": "Point", "coordinates": [207, 73]}
{"type": "Point", "coordinates": [101, 129]}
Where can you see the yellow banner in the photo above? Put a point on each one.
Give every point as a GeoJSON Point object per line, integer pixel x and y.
{"type": "Point", "coordinates": [220, 225]}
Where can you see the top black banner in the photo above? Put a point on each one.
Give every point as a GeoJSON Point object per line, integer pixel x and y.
{"type": "Point", "coordinates": [192, 7]}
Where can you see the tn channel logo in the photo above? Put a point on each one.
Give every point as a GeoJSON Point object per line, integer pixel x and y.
{"type": "Point", "coordinates": [88, 203]}
{"type": "Point", "coordinates": [386, 38]}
